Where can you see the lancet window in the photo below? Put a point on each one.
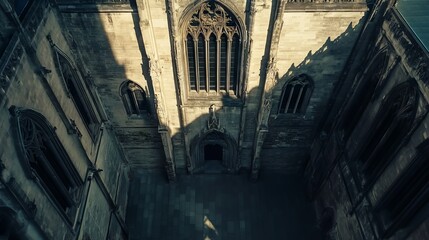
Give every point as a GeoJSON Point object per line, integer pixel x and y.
{"type": "Point", "coordinates": [392, 123]}
{"type": "Point", "coordinates": [296, 95]}
{"type": "Point", "coordinates": [134, 98]}
{"type": "Point", "coordinates": [364, 93]}
{"type": "Point", "coordinates": [45, 159]}
{"type": "Point", "coordinates": [76, 90]}
{"type": "Point", "coordinates": [213, 46]}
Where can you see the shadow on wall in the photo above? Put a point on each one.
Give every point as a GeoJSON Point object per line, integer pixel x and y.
{"type": "Point", "coordinates": [287, 144]}
{"type": "Point", "coordinates": [91, 43]}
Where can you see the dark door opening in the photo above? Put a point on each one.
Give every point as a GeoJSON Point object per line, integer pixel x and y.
{"type": "Point", "coordinates": [213, 152]}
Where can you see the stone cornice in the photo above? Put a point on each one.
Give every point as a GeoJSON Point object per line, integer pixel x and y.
{"type": "Point", "coordinates": [416, 57]}
{"type": "Point", "coordinates": [357, 6]}
{"type": "Point", "coordinates": [96, 8]}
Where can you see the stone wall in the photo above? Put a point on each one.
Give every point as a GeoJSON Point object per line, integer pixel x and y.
{"type": "Point", "coordinates": [33, 81]}
{"type": "Point", "coordinates": [144, 43]}
{"type": "Point", "coordinates": [317, 44]}
{"type": "Point", "coordinates": [333, 178]}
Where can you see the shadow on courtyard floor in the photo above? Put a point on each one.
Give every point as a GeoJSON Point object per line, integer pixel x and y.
{"type": "Point", "coordinates": [218, 206]}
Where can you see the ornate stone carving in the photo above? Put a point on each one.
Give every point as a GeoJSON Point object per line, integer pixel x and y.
{"type": "Point", "coordinates": [75, 128]}
{"type": "Point", "coordinates": [160, 109]}
{"type": "Point", "coordinates": [267, 104]}
{"type": "Point", "coordinates": [416, 57]}
{"type": "Point", "coordinates": [155, 70]}
{"type": "Point", "coordinates": [212, 18]}
{"type": "Point", "coordinates": [213, 122]}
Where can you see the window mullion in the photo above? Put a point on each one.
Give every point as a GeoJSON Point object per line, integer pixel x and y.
{"type": "Point", "coordinates": [207, 56]}
{"type": "Point", "coordinates": [197, 69]}
{"type": "Point", "coordinates": [228, 63]}
{"type": "Point", "coordinates": [187, 62]}
{"type": "Point", "coordinates": [289, 99]}
{"type": "Point", "coordinates": [136, 104]}
{"type": "Point", "coordinates": [127, 100]}
{"type": "Point", "coordinates": [282, 101]}
{"type": "Point", "coordinates": [298, 99]}
{"type": "Point", "coordinates": [56, 180]}
{"type": "Point", "coordinates": [218, 64]}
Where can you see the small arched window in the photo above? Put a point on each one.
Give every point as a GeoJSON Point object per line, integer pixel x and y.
{"type": "Point", "coordinates": [134, 98]}
{"type": "Point", "coordinates": [296, 95]}
{"type": "Point", "coordinates": [391, 124]}
{"type": "Point", "coordinates": [213, 47]}
{"type": "Point", "coordinates": [45, 159]}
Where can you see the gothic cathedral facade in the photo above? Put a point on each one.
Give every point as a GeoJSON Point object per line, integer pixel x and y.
{"type": "Point", "coordinates": [90, 90]}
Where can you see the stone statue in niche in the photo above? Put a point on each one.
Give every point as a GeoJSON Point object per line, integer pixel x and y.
{"type": "Point", "coordinates": [213, 122]}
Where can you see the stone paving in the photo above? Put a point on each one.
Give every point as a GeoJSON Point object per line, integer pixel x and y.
{"type": "Point", "coordinates": [219, 206]}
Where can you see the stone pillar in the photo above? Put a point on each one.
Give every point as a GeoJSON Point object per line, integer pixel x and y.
{"type": "Point", "coordinates": [162, 116]}
{"type": "Point", "coordinates": [260, 137]}
{"type": "Point", "coordinates": [179, 78]}
{"type": "Point", "coordinates": [270, 81]}
{"type": "Point", "coordinates": [170, 165]}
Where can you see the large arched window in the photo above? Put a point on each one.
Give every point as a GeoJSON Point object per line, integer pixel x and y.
{"type": "Point", "coordinates": [296, 95]}
{"type": "Point", "coordinates": [134, 98]}
{"type": "Point", "coordinates": [45, 160]}
{"type": "Point", "coordinates": [76, 90]}
{"type": "Point", "coordinates": [391, 124]}
{"type": "Point", "coordinates": [213, 47]}
{"type": "Point", "coordinates": [372, 78]}
{"type": "Point", "coordinates": [407, 196]}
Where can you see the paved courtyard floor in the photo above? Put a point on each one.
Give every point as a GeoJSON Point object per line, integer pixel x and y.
{"type": "Point", "coordinates": [219, 206]}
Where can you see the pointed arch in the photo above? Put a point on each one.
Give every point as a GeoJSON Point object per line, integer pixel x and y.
{"type": "Point", "coordinates": [76, 89]}
{"type": "Point", "coordinates": [212, 49]}
{"type": "Point", "coordinates": [45, 160]}
{"type": "Point", "coordinates": [391, 125]}
{"type": "Point", "coordinates": [296, 95]}
{"type": "Point", "coordinates": [134, 98]}
{"type": "Point", "coordinates": [218, 139]}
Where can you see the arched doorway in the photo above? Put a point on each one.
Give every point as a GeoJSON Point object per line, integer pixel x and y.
{"type": "Point", "coordinates": [214, 152]}
{"type": "Point", "coordinates": [213, 159]}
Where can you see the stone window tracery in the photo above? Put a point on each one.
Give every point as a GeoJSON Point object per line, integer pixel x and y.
{"type": "Point", "coordinates": [46, 161]}
{"type": "Point", "coordinates": [134, 98]}
{"type": "Point", "coordinates": [213, 46]}
{"type": "Point", "coordinates": [296, 95]}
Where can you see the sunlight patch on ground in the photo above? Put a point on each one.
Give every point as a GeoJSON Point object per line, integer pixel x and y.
{"type": "Point", "coordinates": [210, 232]}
